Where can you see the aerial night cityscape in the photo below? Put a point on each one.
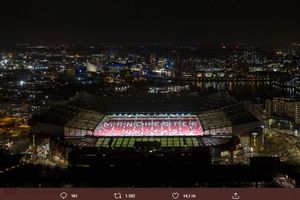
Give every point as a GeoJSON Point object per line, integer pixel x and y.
{"type": "Point", "coordinates": [152, 94]}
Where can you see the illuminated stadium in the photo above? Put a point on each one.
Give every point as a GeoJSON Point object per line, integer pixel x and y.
{"type": "Point", "coordinates": [90, 129]}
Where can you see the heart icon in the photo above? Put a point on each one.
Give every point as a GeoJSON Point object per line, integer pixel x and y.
{"type": "Point", "coordinates": [175, 195]}
{"type": "Point", "coordinates": [63, 195]}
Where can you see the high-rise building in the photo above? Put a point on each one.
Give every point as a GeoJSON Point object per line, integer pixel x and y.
{"type": "Point", "coordinates": [285, 106]}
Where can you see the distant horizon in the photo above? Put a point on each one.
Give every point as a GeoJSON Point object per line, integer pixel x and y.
{"type": "Point", "coordinates": [89, 44]}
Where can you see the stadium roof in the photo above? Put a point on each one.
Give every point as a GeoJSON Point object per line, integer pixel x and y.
{"type": "Point", "coordinates": [215, 119]}
{"type": "Point", "coordinates": [87, 120]}
{"type": "Point", "coordinates": [85, 111]}
{"type": "Point", "coordinates": [152, 103]}
{"type": "Point", "coordinates": [238, 114]}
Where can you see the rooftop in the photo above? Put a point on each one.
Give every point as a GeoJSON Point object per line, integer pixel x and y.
{"type": "Point", "coordinates": [215, 119]}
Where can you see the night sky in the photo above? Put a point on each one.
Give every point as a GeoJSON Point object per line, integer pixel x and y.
{"type": "Point", "coordinates": [152, 21]}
